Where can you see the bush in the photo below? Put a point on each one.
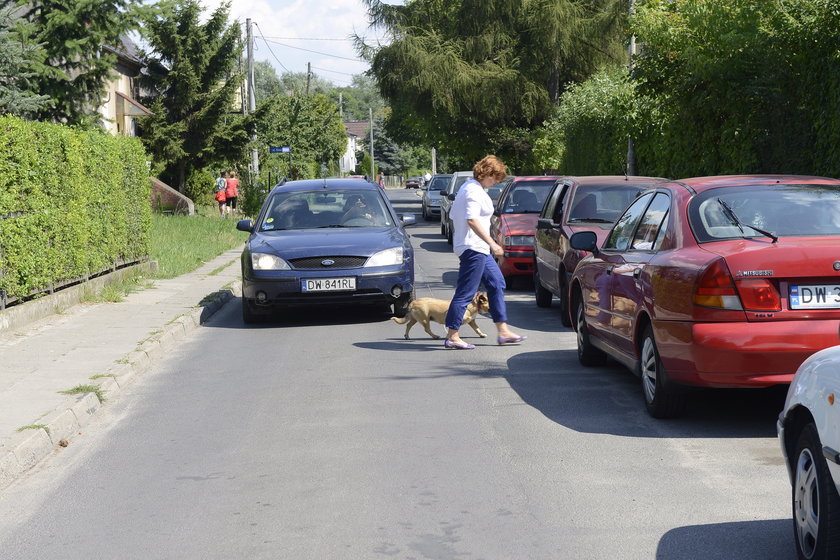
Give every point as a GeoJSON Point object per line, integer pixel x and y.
{"type": "Point", "coordinates": [72, 203]}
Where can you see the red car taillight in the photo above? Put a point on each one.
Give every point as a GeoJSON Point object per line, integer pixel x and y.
{"type": "Point", "coordinates": [758, 294]}
{"type": "Point", "coordinates": [716, 288]}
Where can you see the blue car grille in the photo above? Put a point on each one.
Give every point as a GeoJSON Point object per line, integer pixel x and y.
{"type": "Point", "coordinates": [318, 262]}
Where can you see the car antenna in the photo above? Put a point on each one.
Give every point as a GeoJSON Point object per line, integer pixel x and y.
{"type": "Point", "coordinates": [282, 181]}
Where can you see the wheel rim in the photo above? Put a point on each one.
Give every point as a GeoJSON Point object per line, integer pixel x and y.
{"type": "Point", "coordinates": [648, 365]}
{"type": "Point", "coordinates": [806, 503]}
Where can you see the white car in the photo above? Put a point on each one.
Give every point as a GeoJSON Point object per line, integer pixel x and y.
{"type": "Point", "coordinates": [809, 432]}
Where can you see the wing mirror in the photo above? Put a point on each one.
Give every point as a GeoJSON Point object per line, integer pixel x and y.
{"type": "Point", "coordinates": [245, 225]}
{"type": "Point", "coordinates": [451, 196]}
{"type": "Point", "coordinates": [585, 241]}
{"type": "Point", "coordinates": [408, 219]}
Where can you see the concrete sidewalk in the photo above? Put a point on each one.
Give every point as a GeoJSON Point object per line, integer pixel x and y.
{"type": "Point", "coordinates": [105, 345]}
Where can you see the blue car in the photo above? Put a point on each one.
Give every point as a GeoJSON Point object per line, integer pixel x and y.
{"type": "Point", "coordinates": [326, 241]}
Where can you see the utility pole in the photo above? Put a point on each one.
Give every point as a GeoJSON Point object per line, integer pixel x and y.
{"type": "Point", "coordinates": [434, 161]}
{"type": "Point", "coordinates": [372, 174]}
{"type": "Point", "coordinates": [252, 100]}
{"type": "Point", "coordinates": [308, 76]}
{"type": "Point", "coordinates": [341, 106]}
{"type": "Point", "coordinates": [631, 52]}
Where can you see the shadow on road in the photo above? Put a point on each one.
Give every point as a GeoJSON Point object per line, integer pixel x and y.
{"type": "Point", "coordinates": [769, 539]}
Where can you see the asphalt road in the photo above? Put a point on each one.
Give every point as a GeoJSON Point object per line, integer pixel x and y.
{"type": "Point", "coordinates": [325, 435]}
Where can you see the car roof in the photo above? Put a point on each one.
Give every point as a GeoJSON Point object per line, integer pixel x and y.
{"type": "Point", "coordinates": [462, 173]}
{"type": "Point", "coordinates": [523, 178]}
{"type": "Point", "coordinates": [704, 183]}
{"type": "Point", "coordinates": [596, 179]}
{"type": "Point", "coordinates": [327, 184]}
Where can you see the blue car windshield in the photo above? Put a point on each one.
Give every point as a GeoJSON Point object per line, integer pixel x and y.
{"type": "Point", "coordinates": [325, 209]}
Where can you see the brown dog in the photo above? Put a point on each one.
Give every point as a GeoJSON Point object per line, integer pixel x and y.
{"type": "Point", "coordinates": [424, 310]}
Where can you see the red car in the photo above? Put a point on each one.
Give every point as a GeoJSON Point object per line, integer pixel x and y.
{"type": "Point", "coordinates": [713, 282]}
{"type": "Point", "coordinates": [576, 204]}
{"type": "Point", "coordinates": [515, 221]}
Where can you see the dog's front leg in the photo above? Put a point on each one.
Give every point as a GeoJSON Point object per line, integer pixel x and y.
{"type": "Point", "coordinates": [476, 329]}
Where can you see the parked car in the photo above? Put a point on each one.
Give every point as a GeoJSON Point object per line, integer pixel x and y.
{"type": "Point", "coordinates": [810, 442]}
{"type": "Point", "coordinates": [413, 182]}
{"type": "Point", "coordinates": [326, 241]}
{"type": "Point", "coordinates": [576, 204]}
{"type": "Point", "coordinates": [432, 195]}
{"type": "Point", "coordinates": [458, 179]}
{"type": "Point", "coordinates": [514, 222]}
{"type": "Point", "coordinates": [714, 281]}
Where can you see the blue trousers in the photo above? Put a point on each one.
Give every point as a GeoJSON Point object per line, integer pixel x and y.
{"type": "Point", "coordinates": [477, 267]}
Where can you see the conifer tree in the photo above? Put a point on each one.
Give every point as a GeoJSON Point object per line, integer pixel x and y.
{"type": "Point", "coordinates": [77, 67]}
{"type": "Point", "coordinates": [470, 75]}
{"type": "Point", "coordinates": [18, 60]}
{"type": "Point", "coordinates": [193, 80]}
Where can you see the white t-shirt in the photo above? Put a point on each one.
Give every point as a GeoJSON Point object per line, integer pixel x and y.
{"type": "Point", "coordinates": [471, 203]}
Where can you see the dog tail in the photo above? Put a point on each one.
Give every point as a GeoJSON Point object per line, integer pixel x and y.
{"type": "Point", "coordinates": [401, 320]}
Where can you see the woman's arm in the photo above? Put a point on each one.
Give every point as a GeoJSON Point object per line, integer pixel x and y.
{"type": "Point", "coordinates": [475, 225]}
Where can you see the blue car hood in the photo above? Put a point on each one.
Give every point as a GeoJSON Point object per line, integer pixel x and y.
{"type": "Point", "coordinates": [294, 244]}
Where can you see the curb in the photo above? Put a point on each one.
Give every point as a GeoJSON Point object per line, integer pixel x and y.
{"type": "Point", "coordinates": [62, 424]}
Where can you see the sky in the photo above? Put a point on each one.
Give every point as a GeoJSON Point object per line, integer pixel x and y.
{"type": "Point", "coordinates": [286, 32]}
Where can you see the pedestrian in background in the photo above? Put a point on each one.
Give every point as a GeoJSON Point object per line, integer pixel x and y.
{"type": "Point", "coordinates": [470, 214]}
{"type": "Point", "coordinates": [381, 180]}
{"type": "Point", "coordinates": [220, 192]}
{"type": "Point", "coordinates": [232, 191]}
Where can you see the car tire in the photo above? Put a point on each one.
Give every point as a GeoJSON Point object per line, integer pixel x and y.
{"type": "Point", "coordinates": [565, 316]}
{"type": "Point", "coordinates": [541, 295]}
{"type": "Point", "coordinates": [663, 398]}
{"type": "Point", "coordinates": [588, 355]}
{"type": "Point", "coordinates": [814, 500]}
{"type": "Point", "coordinates": [425, 215]}
{"type": "Point", "coordinates": [249, 314]}
{"type": "Point", "coordinates": [449, 233]}
{"type": "Point", "coordinates": [402, 303]}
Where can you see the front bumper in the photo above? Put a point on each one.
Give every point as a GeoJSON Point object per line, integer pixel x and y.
{"type": "Point", "coordinates": [740, 354]}
{"type": "Point", "coordinates": [375, 285]}
{"type": "Point", "coordinates": [517, 262]}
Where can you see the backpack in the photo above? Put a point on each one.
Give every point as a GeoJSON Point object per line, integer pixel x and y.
{"type": "Point", "coordinates": [220, 184]}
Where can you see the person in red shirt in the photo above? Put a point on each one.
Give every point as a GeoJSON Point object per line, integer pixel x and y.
{"type": "Point", "coordinates": [232, 191]}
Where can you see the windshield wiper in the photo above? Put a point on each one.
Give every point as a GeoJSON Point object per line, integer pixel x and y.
{"type": "Point", "coordinates": [732, 216]}
{"type": "Point", "coordinates": [332, 226]}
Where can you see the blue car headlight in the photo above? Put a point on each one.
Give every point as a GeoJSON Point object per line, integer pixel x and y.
{"type": "Point", "coordinates": [386, 257]}
{"type": "Point", "coordinates": [267, 261]}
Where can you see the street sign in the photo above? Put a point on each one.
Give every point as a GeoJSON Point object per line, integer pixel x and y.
{"type": "Point", "coordinates": [280, 149]}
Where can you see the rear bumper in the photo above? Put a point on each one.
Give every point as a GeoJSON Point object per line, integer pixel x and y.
{"type": "Point", "coordinates": [740, 354]}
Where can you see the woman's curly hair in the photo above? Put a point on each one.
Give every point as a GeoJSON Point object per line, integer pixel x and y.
{"type": "Point", "coordinates": [489, 166]}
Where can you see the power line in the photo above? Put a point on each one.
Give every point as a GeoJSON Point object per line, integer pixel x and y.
{"type": "Point", "coordinates": [269, 48]}
{"type": "Point", "coordinates": [333, 71]}
{"type": "Point", "coordinates": [307, 39]}
{"type": "Point", "coordinates": [309, 50]}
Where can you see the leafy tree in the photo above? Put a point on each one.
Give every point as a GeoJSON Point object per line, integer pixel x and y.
{"type": "Point", "coordinates": [77, 67]}
{"type": "Point", "coordinates": [309, 125]}
{"type": "Point", "coordinates": [193, 84]}
{"type": "Point", "coordinates": [358, 98]}
{"type": "Point", "coordinates": [740, 86]}
{"type": "Point", "coordinates": [18, 58]}
{"type": "Point", "coordinates": [470, 76]}
{"type": "Point", "coordinates": [266, 81]}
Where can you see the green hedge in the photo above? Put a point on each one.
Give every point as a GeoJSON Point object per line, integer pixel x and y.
{"type": "Point", "coordinates": [72, 203]}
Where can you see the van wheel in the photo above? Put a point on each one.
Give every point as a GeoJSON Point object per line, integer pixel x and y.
{"type": "Point", "coordinates": [588, 355]}
{"type": "Point", "coordinates": [565, 317]}
{"type": "Point", "coordinates": [542, 295]}
{"type": "Point", "coordinates": [663, 398]}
